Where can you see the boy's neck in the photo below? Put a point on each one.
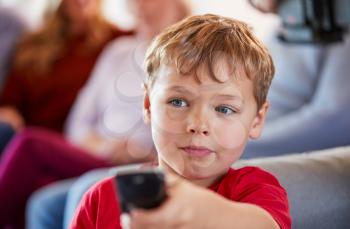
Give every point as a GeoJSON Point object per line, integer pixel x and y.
{"type": "Point", "coordinates": [205, 183]}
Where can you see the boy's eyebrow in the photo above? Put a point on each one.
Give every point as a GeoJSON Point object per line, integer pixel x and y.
{"type": "Point", "coordinates": [231, 97]}
{"type": "Point", "coordinates": [180, 89]}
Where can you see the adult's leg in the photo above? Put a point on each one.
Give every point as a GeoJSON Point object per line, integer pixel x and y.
{"type": "Point", "coordinates": [83, 183]}
{"type": "Point", "coordinates": [6, 133]}
{"type": "Point", "coordinates": [77, 190]}
{"type": "Point", "coordinates": [46, 206]}
{"type": "Point", "coordinates": [33, 159]}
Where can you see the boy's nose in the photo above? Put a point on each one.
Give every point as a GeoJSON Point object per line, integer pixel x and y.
{"type": "Point", "coordinates": [198, 123]}
{"type": "Point", "coordinates": [198, 130]}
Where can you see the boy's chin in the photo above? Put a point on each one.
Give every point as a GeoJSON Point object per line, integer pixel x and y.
{"type": "Point", "coordinates": [200, 173]}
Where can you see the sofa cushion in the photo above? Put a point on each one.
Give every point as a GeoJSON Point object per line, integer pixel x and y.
{"type": "Point", "coordinates": [317, 183]}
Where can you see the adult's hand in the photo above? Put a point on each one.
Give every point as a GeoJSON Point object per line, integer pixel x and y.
{"type": "Point", "coordinates": [12, 117]}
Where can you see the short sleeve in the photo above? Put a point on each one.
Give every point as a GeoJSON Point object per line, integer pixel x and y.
{"type": "Point", "coordinates": [98, 208]}
{"type": "Point", "coordinates": [258, 187]}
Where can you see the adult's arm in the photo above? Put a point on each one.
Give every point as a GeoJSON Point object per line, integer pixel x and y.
{"type": "Point", "coordinates": [99, 112]}
{"type": "Point", "coordinates": [83, 118]}
{"type": "Point", "coordinates": [11, 27]}
{"type": "Point", "coordinates": [323, 122]}
{"type": "Point", "coordinates": [12, 101]}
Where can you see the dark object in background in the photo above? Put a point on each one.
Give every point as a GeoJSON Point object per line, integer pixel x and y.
{"type": "Point", "coordinates": [140, 189]}
{"type": "Point", "coordinates": [313, 21]}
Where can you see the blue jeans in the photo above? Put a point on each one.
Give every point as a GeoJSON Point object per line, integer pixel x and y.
{"type": "Point", "coordinates": [76, 192]}
{"type": "Point", "coordinates": [6, 133]}
{"type": "Point", "coordinates": [45, 208]}
{"type": "Point", "coordinates": [53, 206]}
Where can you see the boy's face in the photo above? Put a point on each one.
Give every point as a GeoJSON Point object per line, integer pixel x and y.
{"type": "Point", "coordinates": [201, 128]}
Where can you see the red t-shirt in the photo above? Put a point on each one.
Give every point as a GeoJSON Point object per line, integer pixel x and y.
{"type": "Point", "coordinates": [99, 207]}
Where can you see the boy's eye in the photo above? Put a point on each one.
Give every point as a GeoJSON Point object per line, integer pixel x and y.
{"type": "Point", "coordinates": [225, 110]}
{"type": "Point", "coordinates": [178, 103]}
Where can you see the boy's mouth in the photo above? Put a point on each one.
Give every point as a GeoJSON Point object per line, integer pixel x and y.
{"type": "Point", "coordinates": [197, 151]}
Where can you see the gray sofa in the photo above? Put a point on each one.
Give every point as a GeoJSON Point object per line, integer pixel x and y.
{"type": "Point", "coordinates": [317, 183]}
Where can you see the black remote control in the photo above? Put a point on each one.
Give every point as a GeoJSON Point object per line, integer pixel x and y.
{"type": "Point", "coordinates": [140, 189]}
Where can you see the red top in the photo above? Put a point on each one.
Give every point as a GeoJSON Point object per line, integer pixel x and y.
{"type": "Point", "coordinates": [45, 100]}
{"type": "Point", "coordinates": [99, 207]}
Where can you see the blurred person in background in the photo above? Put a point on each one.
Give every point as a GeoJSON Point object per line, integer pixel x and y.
{"type": "Point", "coordinates": [51, 65]}
{"type": "Point", "coordinates": [11, 28]}
{"type": "Point", "coordinates": [49, 68]}
{"type": "Point", "coordinates": [309, 96]}
{"type": "Point", "coordinates": [105, 125]}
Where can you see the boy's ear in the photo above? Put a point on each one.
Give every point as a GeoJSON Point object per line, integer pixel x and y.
{"type": "Point", "coordinates": [259, 121]}
{"type": "Point", "coordinates": [146, 105]}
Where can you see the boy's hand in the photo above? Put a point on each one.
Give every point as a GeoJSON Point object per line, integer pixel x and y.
{"type": "Point", "coordinates": [189, 206]}
{"type": "Point", "coordinates": [184, 208]}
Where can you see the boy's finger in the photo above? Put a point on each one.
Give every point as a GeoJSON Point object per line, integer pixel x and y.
{"type": "Point", "coordinates": [125, 221]}
{"type": "Point", "coordinates": [144, 219]}
{"type": "Point", "coordinates": [172, 179]}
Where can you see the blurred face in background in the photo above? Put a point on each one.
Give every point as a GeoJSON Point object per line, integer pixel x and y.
{"type": "Point", "coordinates": [266, 6]}
{"type": "Point", "coordinates": [80, 11]}
{"type": "Point", "coordinates": [152, 16]}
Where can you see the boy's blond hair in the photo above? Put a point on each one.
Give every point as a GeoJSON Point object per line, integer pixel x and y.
{"type": "Point", "coordinates": [202, 40]}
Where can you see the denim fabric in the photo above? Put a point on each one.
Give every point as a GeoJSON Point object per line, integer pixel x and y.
{"type": "Point", "coordinates": [45, 208]}
{"type": "Point", "coordinates": [53, 206]}
{"type": "Point", "coordinates": [77, 191]}
{"type": "Point", "coordinates": [6, 133]}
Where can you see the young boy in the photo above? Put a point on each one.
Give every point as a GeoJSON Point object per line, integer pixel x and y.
{"type": "Point", "coordinates": [205, 95]}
